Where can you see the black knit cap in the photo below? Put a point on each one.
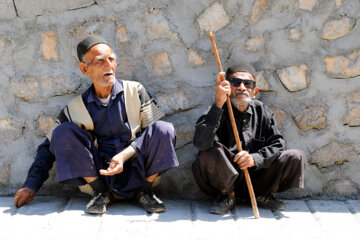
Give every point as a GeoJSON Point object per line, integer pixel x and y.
{"type": "Point", "coordinates": [87, 43]}
{"type": "Point", "coordinates": [240, 67]}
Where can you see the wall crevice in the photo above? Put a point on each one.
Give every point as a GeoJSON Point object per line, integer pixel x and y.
{"type": "Point", "coordinates": [15, 8]}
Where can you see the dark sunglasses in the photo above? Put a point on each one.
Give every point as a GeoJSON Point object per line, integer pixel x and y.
{"type": "Point", "coordinates": [236, 82]}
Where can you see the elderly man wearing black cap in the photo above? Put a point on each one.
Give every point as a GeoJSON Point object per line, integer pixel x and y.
{"type": "Point", "coordinates": [217, 169]}
{"type": "Point", "coordinates": [108, 140]}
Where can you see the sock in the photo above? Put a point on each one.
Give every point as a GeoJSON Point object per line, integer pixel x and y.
{"type": "Point", "coordinates": [148, 186]}
{"type": "Point", "coordinates": [98, 186]}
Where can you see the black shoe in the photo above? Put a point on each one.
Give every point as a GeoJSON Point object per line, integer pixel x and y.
{"type": "Point", "coordinates": [222, 204]}
{"type": "Point", "coordinates": [98, 203]}
{"type": "Point", "coordinates": [149, 202]}
{"type": "Point", "coordinates": [270, 202]}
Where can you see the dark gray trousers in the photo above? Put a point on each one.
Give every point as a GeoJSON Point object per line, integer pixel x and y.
{"type": "Point", "coordinates": [214, 171]}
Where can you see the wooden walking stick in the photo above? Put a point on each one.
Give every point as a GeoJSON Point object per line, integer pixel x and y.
{"type": "Point", "coordinates": [236, 133]}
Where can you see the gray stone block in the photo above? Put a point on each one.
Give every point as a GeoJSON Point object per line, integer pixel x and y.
{"type": "Point", "coordinates": [296, 217]}
{"type": "Point", "coordinates": [136, 224]}
{"type": "Point", "coordinates": [71, 216]}
{"type": "Point", "coordinates": [58, 218]}
{"type": "Point", "coordinates": [41, 210]}
{"type": "Point", "coordinates": [32, 8]}
{"type": "Point", "coordinates": [7, 10]}
{"type": "Point", "coordinates": [203, 221]}
{"type": "Point", "coordinates": [248, 225]}
{"type": "Point", "coordinates": [334, 215]}
{"type": "Point", "coordinates": [354, 206]}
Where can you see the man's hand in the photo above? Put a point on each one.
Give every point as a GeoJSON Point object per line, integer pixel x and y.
{"type": "Point", "coordinates": [117, 162]}
{"type": "Point", "coordinates": [115, 167]}
{"type": "Point", "coordinates": [244, 160]}
{"type": "Point", "coordinates": [223, 90]}
{"type": "Point", "coordinates": [23, 196]}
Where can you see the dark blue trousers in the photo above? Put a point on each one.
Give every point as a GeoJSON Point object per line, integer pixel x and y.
{"type": "Point", "coordinates": [77, 157]}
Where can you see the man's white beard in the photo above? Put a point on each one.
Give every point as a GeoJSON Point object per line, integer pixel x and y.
{"type": "Point", "coordinates": [109, 83]}
{"type": "Point", "coordinates": [243, 102]}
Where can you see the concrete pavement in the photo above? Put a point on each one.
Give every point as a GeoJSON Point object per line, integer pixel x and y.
{"type": "Point", "coordinates": [64, 218]}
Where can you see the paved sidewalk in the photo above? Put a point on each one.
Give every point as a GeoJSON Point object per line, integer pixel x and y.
{"type": "Point", "coordinates": [59, 218]}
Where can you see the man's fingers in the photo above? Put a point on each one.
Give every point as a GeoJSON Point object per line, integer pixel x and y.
{"type": "Point", "coordinates": [117, 169]}
{"type": "Point", "coordinates": [106, 172]}
{"type": "Point", "coordinates": [226, 84]}
{"type": "Point", "coordinates": [244, 160]}
{"type": "Point", "coordinates": [247, 162]}
{"type": "Point", "coordinates": [16, 200]}
{"type": "Point", "coordinates": [21, 202]}
{"type": "Point", "coordinates": [110, 167]}
{"type": "Point", "coordinates": [242, 153]}
{"type": "Point", "coordinates": [110, 172]}
{"type": "Point", "coordinates": [239, 157]}
{"type": "Point", "coordinates": [244, 165]}
{"type": "Point", "coordinates": [23, 196]}
{"type": "Point", "coordinates": [220, 77]}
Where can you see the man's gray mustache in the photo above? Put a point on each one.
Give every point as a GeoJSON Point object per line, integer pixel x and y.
{"type": "Point", "coordinates": [237, 92]}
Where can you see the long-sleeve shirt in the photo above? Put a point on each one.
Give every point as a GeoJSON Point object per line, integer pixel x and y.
{"type": "Point", "coordinates": [111, 129]}
{"type": "Point", "coordinates": [258, 132]}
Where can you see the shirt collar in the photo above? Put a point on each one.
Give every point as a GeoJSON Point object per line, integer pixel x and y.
{"type": "Point", "coordinates": [249, 110]}
{"type": "Point", "coordinates": [117, 88]}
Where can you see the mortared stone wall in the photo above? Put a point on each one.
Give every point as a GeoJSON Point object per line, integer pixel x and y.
{"type": "Point", "coordinates": [306, 52]}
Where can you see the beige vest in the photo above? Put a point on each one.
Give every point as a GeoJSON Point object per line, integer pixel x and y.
{"type": "Point", "coordinates": [77, 113]}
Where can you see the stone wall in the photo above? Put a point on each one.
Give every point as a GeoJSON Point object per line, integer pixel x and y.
{"type": "Point", "coordinates": [307, 54]}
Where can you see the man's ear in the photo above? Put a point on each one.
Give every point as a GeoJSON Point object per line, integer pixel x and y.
{"type": "Point", "coordinates": [83, 68]}
{"type": "Point", "coordinates": [256, 90]}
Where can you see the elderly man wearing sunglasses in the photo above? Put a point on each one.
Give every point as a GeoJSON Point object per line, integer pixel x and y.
{"type": "Point", "coordinates": [217, 169]}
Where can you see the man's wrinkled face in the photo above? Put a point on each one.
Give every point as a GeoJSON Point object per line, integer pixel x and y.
{"type": "Point", "coordinates": [100, 64]}
{"type": "Point", "coordinates": [241, 94]}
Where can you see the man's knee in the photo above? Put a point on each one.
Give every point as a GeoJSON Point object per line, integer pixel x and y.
{"type": "Point", "coordinates": [295, 156]}
{"type": "Point", "coordinates": [66, 134]}
{"type": "Point", "coordinates": [64, 129]}
{"type": "Point", "coordinates": [211, 154]}
{"type": "Point", "coordinates": [164, 128]}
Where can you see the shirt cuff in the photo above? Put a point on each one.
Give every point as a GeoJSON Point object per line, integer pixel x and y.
{"type": "Point", "coordinates": [32, 184]}
{"type": "Point", "coordinates": [259, 160]}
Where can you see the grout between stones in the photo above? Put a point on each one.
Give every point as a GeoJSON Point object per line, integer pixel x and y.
{"type": "Point", "coordinates": [62, 206]}
{"type": "Point", "coordinates": [351, 208]}
{"type": "Point", "coordinates": [278, 215]}
{"type": "Point", "coordinates": [310, 206]}
{"type": "Point", "coordinates": [313, 212]}
{"type": "Point", "coordinates": [353, 211]}
{"type": "Point", "coordinates": [15, 8]}
{"type": "Point", "coordinates": [193, 211]}
{"type": "Point", "coordinates": [234, 214]}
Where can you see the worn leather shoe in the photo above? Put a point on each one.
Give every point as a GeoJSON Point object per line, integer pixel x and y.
{"type": "Point", "coordinates": [222, 204]}
{"type": "Point", "coordinates": [149, 202]}
{"type": "Point", "coordinates": [98, 203]}
{"type": "Point", "coordinates": [270, 202]}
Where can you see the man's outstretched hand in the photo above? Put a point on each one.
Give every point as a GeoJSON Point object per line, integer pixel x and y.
{"type": "Point", "coordinates": [23, 196]}
{"type": "Point", "coordinates": [115, 167]}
